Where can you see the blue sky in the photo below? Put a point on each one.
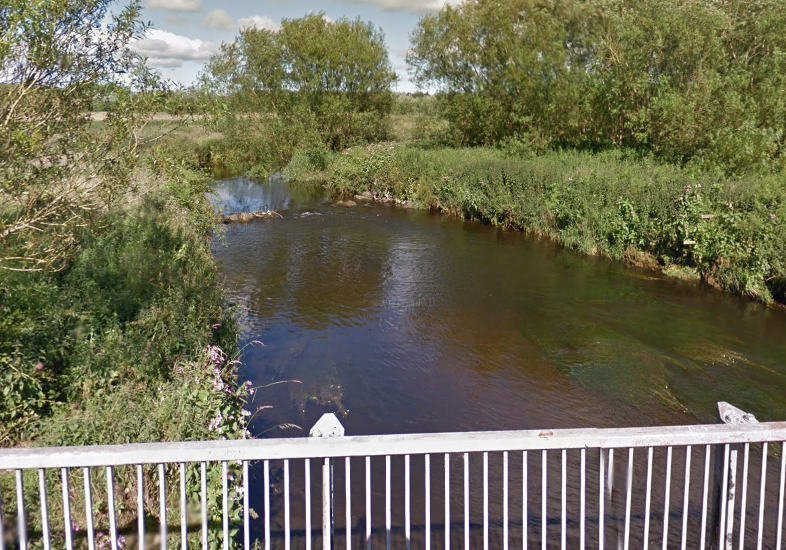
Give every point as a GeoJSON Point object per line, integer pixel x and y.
{"type": "Point", "coordinates": [186, 32]}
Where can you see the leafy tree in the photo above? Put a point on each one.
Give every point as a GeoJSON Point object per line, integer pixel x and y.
{"type": "Point", "coordinates": [697, 80]}
{"type": "Point", "coordinates": [58, 170]}
{"type": "Point", "coordinates": [331, 79]}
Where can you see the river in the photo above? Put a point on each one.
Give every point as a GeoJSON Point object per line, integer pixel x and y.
{"type": "Point", "coordinates": [407, 321]}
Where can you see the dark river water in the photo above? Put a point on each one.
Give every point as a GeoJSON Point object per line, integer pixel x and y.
{"type": "Point", "coordinates": [407, 321]}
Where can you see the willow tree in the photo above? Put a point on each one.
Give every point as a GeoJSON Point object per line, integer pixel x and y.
{"type": "Point", "coordinates": [505, 68]}
{"type": "Point", "coordinates": [328, 78]}
{"type": "Point", "coordinates": [58, 170]}
{"type": "Point", "coordinates": [697, 80]}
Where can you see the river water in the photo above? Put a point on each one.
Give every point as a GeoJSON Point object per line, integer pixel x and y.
{"type": "Point", "coordinates": [407, 321]}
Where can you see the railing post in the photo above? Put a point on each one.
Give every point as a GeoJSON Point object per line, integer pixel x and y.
{"type": "Point", "coordinates": [725, 478]}
{"type": "Point", "coordinates": [327, 426]}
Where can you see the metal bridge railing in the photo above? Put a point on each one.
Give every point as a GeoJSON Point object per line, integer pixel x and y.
{"type": "Point", "coordinates": [704, 486]}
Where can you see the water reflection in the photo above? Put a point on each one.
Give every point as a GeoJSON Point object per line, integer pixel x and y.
{"type": "Point", "coordinates": [407, 321]}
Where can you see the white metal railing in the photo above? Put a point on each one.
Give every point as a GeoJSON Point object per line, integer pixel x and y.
{"type": "Point", "coordinates": [659, 487]}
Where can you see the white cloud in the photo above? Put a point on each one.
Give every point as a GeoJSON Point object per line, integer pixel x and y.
{"type": "Point", "coordinates": [257, 22]}
{"type": "Point", "coordinates": [166, 49]}
{"type": "Point", "coordinates": [193, 6]}
{"type": "Point", "coordinates": [412, 6]}
{"type": "Point", "coordinates": [218, 19]}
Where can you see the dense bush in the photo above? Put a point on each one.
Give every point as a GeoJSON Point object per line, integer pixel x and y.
{"type": "Point", "coordinates": [729, 231]}
{"type": "Point", "coordinates": [700, 80]}
{"type": "Point", "coordinates": [140, 296]}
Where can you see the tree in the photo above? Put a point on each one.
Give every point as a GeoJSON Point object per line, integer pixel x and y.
{"type": "Point", "coordinates": [331, 78]}
{"type": "Point", "coordinates": [58, 170]}
{"type": "Point", "coordinates": [504, 68]}
{"type": "Point", "coordinates": [696, 80]}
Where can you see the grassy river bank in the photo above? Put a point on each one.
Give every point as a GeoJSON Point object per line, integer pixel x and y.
{"type": "Point", "coordinates": [688, 223]}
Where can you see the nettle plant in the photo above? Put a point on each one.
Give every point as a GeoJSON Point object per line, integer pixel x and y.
{"type": "Point", "coordinates": [730, 245]}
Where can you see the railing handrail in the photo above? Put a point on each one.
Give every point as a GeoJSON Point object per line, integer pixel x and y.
{"type": "Point", "coordinates": [381, 445]}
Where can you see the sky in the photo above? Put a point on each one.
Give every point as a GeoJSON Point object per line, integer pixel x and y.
{"type": "Point", "coordinates": [185, 33]}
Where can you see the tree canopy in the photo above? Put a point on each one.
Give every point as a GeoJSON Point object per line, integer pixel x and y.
{"type": "Point", "coordinates": [696, 80]}
{"type": "Point", "coordinates": [333, 78]}
{"type": "Point", "coordinates": [57, 170]}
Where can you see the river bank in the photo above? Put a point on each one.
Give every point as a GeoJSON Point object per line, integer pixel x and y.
{"type": "Point", "coordinates": [727, 231]}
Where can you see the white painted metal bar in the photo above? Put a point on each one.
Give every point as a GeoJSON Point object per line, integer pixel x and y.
{"type": "Point", "coordinates": [162, 498]}
{"type": "Point", "coordinates": [447, 502]}
{"type": "Point", "coordinates": [407, 498]}
{"type": "Point", "coordinates": [266, 478]}
{"type": "Point", "coordinates": [91, 534]}
{"type": "Point", "coordinates": [628, 495]}
{"type": "Point", "coordinates": [162, 502]}
{"type": "Point", "coordinates": [583, 501]}
{"type": "Point", "coordinates": [308, 502]}
{"type": "Point", "coordinates": [140, 506]}
{"type": "Point", "coordinates": [762, 492]}
{"type": "Point", "coordinates": [744, 499]}
{"type": "Point", "coordinates": [225, 503]}
{"type": "Point", "coordinates": [724, 487]}
{"type": "Point", "coordinates": [246, 507]}
{"type": "Point", "coordinates": [287, 541]}
{"type": "Point", "coordinates": [184, 509]}
{"type": "Point", "coordinates": [326, 502]}
{"type": "Point", "coordinates": [544, 515]}
{"type": "Point", "coordinates": [427, 469]}
{"type": "Point", "coordinates": [67, 510]}
{"type": "Point", "coordinates": [704, 494]}
{"type": "Point", "coordinates": [348, 493]}
{"type": "Point", "coordinates": [648, 500]}
{"type": "Point", "coordinates": [45, 510]}
{"type": "Point", "coordinates": [368, 503]}
{"type": "Point", "coordinates": [564, 535]}
{"type": "Point", "coordinates": [466, 501]}
{"type": "Point", "coordinates": [21, 517]}
{"type": "Point", "coordinates": [110, 499]}
{"type": "Point", "coordinates": [497, 442]}
{"type": "Point", "coordinates": [485, 501]}
{"type": "Point", "coordinates": [602, 501]}
{"type": "Point", "coordinates": [779, 529]}
{"type": "Point", "coordinates": [387, 502]}
{"type": "Point", "coordinates": [203, 480]}
{"type": "Point", "coordinates": [666, 499]}
{"type": "Point", "coordinates": [504, 501]}
{"type": "Point", "coordinates": [340, 447]}
{"type": "Point", "coordinates": [2, 523]}
{"type": "Point", "coordinates": [524, 507]}
{"type": "Point", "coordinates": [686, 498]}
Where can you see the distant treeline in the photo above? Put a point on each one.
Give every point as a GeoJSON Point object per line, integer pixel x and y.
{"type": "Point", "coordinates": [691, 80]}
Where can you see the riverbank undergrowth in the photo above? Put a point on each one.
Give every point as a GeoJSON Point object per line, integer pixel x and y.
{"type": "Point", "coordinates": [726, 230]}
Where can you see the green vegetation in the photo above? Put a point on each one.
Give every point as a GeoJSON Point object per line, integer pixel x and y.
{"type": "Point", "coordinates": [699, 81]}
{"type": "Point", "coordinates": [649, 132]}
{"type": "Point", "coordinates": [107, 285]}
{"type": "Point", "coordinates": [313, 83]}
{"type": "Point", "coordinates": [113, 325]}
{"type": "Point", "coordinates": [623, 207]}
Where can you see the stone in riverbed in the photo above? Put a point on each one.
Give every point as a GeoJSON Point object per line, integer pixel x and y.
{"type": "Point", "coordinates": [245, 217]}
{"type": "Point", "coordinates": [365, 196]}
